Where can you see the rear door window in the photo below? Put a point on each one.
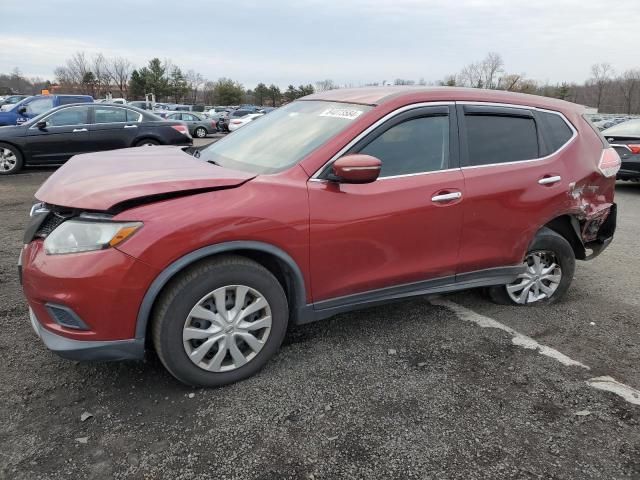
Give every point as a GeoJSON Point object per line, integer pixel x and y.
{"type": "Point", "coordinates": [501, 137]}
{"type": "Point", "coordinates": [110, 115]}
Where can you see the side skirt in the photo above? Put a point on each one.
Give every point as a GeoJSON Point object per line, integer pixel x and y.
{"type": "Point", "coordinates": [481, 278]}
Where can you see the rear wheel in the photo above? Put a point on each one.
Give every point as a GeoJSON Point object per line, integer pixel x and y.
{"type": "Point", "coordinates": [200, 132]}
{"type": "Point", "coordinates": [548, 270]}
{"type": "Point", "coordinates": [220, 322]}
{"type": "Point", "coordinates": [10, 159]}
{"type": "Point", "coordinates": [147, 142]}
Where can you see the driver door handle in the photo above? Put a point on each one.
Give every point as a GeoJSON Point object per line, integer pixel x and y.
{"type": "Point", "coordinates": [131, 126]}
{"type": "Point", "coordinates": [76, 130]}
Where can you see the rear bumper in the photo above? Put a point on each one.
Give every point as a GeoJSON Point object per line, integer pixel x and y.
{"type": "Point", "coordinates": [628, 175]}
{"type": "Point", "coordinates": [630, 168]}
{"type": "Point", "coordinates": [83, 350]}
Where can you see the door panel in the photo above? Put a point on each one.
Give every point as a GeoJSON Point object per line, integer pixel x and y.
{"type": "Point", "coordinates": [57, 144]}
{"type": "Point", "coordinates": [404, 227]}
{"type": "Point", "coordinates": [506, 204]}
{"type": "Point", "coordinates": [110, 129]}
{"type": "Point", "coordinates": [65, 134]}
{"type": "Point", "coordinates": [390, 232]}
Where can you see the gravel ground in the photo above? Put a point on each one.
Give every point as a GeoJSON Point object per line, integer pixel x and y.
{"type": "Point", "coordinates": [404, 391]}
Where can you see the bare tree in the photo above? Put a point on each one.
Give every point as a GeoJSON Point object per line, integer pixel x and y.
{"type": "Point", "coordinates": [78, 66]}
{"type": "Point", "coordinates": [483, 74]}
{"type": "Point", "coordinates": [510, 82]}
{"type": "Point", "coordinates": [629, 83]}
{"type": "Point", "coordinates": [194, 82]}
{"type": "Point", "coordinates": [491, 68]}
{"type": "Point", "coordinates": [101, 74]}
{"type": "Point", "coordinates": [600, 76]}
{"type": "Point", "coordinates": [120, 69]}
{"type": "Point", "coordinates": [324, 85]}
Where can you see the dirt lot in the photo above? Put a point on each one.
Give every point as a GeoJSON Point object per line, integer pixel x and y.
{"type": "Point", "coordinates": [412, 390]}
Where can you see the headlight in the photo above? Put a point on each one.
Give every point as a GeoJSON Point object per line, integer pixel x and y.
{"type": "Point", "coordinates": [75, 236]}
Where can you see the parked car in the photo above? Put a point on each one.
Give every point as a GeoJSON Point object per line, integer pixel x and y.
{"type": "Point", "coordinates": [625, 138]}
{"type": "Point", "coordinates": [33, 106]}
{"type": "Point", "coordinates": [198, 126]}
{"type": "Point", "coordinates": [341, 200]}
{"type": "Point", "coordinates": [8, 102]}
{"type": "Point", "coordinates": [142, 104]}
{"type": "Point", "coordinates": [216, 110]}
{"type": "Point", "coordinates": [54, 137]}
{"type": "Point", "coordinates": [236, 123]}
{"type": "Point", "coordinates": [232, 115]}
{"type": "Point", "coordinates": [114, 101]}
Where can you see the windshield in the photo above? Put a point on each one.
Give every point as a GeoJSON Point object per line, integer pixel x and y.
{"type": "Point", "coordinates": [22, 102]}
{"type": "Point", "coordinates": [277, 141]}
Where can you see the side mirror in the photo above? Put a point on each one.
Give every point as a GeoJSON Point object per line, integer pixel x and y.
{"type": "Point", "coordinates": [41, 125]}
{"type": "Point", "coordinates": [22, 110]}
{"type": "Point", "coordinates": [356, 169]}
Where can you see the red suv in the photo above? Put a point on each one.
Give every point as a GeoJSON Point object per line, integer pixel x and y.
{"type": "Point", "coordinates": [341, 200]}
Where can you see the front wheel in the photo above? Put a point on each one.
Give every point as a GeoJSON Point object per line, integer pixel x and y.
{"type": "Point", "coordinates": [548, 270]}
{"type": "Point", "coordinates": [220, 321]}
{"type": "Point", "coordinates": [10, 159]}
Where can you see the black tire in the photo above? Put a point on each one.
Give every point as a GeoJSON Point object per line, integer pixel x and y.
{"type": "Point", "coordinates": [200, 132]}
{"type": "Point", "coordinates": [147, 142]}
{"type": "Point", "coordinates": [185, 291]}
{"type": "Point", "coordinates": [546, 240]}
{"type": "Point", "coordinates": [8, 167]}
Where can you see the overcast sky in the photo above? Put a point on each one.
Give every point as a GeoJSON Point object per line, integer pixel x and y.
{"type": "Point", "coordinates": [349, 41]}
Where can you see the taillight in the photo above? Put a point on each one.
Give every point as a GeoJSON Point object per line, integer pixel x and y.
{"type": "Point", "coordinates": [609, 162]}
{"type": "Point", "coordinates": [236, 122]}
{"type": "Point", "coordinates": [213, 124]}
{"type": "Point", "coordinates": [635, 149]}
{"type": "Point", "coordinates": [181, 128]}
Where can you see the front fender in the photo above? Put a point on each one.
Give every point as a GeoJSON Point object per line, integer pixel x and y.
{"type": "Point", "coordinates": [144, 313]}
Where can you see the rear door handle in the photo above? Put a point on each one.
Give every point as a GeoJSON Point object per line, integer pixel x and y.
{"type": "Point", "coordinates": [76, 130]}
{"type": "Point", "coordinates": [131, 126]}
{"type": "Point", "coordinates": [550, 180]}
{"type": "Point", "coordinates": [446, 197]}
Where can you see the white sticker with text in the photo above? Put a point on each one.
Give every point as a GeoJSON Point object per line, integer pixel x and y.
{"type": "Point", "coordinates": [347, 113]}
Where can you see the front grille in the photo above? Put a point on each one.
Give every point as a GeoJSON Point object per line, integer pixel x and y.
{"type": "Point", "coordinates": [49, 225]}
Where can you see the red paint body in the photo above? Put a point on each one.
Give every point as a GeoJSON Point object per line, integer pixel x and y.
{"type": "Point", "coordinates": [345, 238]}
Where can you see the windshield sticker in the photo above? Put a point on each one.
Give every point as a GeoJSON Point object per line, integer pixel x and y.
{"type": "Point", "coordinates": [347, 113]}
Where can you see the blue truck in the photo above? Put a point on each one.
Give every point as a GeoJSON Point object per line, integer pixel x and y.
{"type": "Point", "coordinates": [31, 107]}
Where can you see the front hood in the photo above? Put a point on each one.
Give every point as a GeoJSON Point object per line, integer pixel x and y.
{"type": "Point", "coordinates": [100, 181]}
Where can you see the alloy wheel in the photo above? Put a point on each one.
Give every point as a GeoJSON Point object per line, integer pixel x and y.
{"type": "Point", "coordinates": [539, 281]}
{"type": "Point", "coordinates": [227, 328]}
{"type": "Point", "coordinates": [201, 133]}
{"type": "Point", "coordinates": [8, 160]}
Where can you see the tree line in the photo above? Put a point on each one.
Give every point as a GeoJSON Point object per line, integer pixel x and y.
{"type": "Point", "coordinates": [99, 76]}
{"type": "Point", "coordinates": [606, 90]}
